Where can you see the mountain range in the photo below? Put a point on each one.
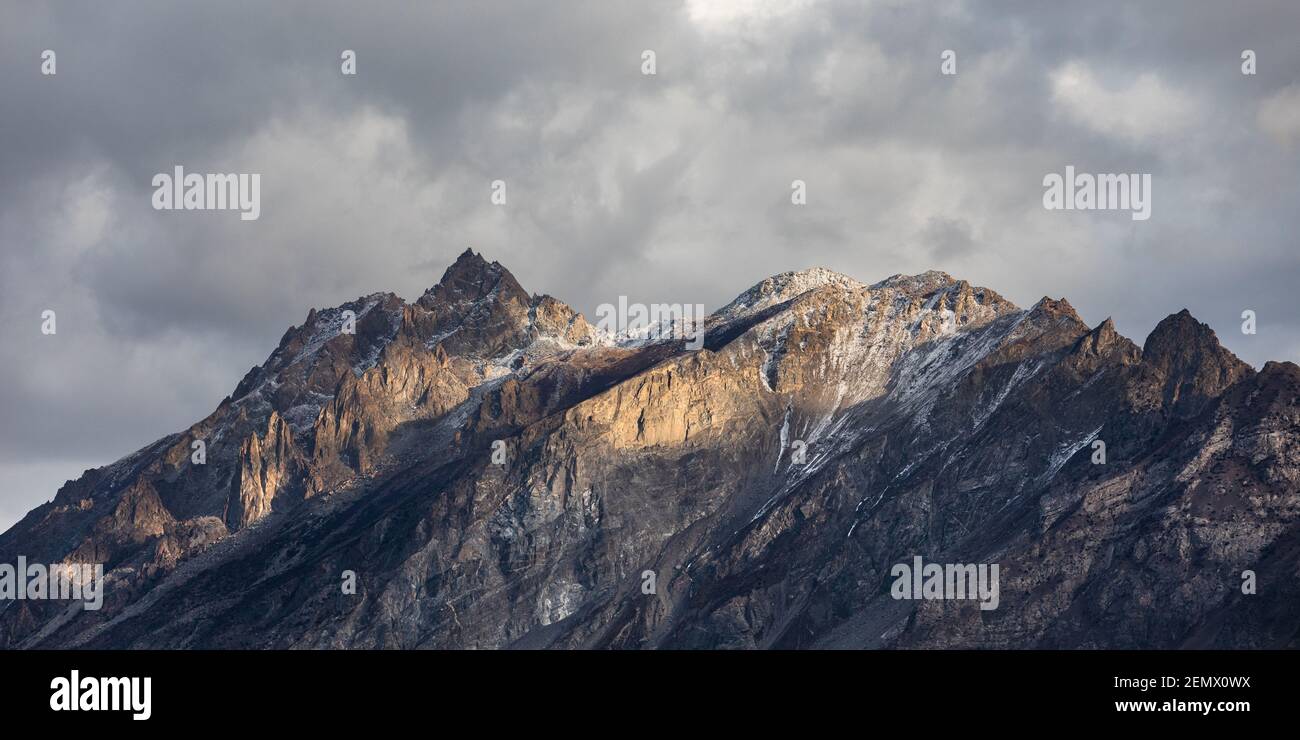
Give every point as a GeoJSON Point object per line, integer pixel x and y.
{"type": "Point", "coordinates": [490, 470]}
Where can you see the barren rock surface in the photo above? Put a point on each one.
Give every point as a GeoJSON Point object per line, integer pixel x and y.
{"type": "Point", "coordinates": [498, 473]}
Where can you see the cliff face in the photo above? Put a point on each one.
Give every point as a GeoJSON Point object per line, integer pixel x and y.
{"type": "Point", "coordinates": [498, 473]}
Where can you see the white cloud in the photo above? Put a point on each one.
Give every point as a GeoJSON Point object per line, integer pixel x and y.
{"type": "Point", "coordinates": [1279, 116]}
{"type": "Point", "coordinates": [1143, 109]}
{"type": "Point", "coordinates": [736, 15]}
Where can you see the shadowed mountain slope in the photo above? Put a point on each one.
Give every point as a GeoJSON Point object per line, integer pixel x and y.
{"type": "Point", "coordinates": [497, 472]}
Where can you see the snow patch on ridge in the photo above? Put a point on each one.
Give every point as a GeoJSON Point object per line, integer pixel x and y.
{"type": "Point", "coordinates": [783, 287]}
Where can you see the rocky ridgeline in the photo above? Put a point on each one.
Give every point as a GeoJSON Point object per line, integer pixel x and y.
{"type": "Point", "coordinates": [496, 472]}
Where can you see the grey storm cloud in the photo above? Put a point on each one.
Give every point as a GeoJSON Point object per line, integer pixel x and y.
{"type": "Point", "coordinates": [673, 187]}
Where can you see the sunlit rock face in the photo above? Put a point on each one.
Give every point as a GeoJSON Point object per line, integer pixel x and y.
{"type": "Point", "coordinates": [497, 472]}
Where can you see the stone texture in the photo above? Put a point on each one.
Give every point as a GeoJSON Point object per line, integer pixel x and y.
{"type": "Point", "coordinates": [828, 430]}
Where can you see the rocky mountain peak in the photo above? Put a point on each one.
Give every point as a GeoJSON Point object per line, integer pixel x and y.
{"type": "Point", "coordinates": [783, 287]}
{"type": "Point", "coordinates": [470, 279]}
{"type": "Point", "coordinates": [1100, 346]}
{"type": "Point", "coordinates": [1056, 307]}
{"type": "Point", "coordinates": [1180, 343]}
{"type": "Point", "coordinates": [1105, 337]}
{"type": "Point", "coordinates": [930, 415]}
{"type": "Point", "coordinates": [923, 283]}
{"type": "Point", "coordinates": [1187, 356]}
{"type": "Point", "coordinates": [1058, 312]}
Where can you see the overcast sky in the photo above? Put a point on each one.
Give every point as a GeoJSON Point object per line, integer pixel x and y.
{"type": "Point", "coordinates": [672, 187]}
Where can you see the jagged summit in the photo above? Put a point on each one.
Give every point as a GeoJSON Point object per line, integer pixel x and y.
{"type": "Point", "coordinates": [787, 285]}
{"type": "Point", "coordinates": [784, 286]}
{"type": "Point", "coordinates": [946, 290]}
{"type": "Point", "coordinates": [1180, 341]}
{"type": "Point", "coordinates": [479, 309]}
{"type": "Point", "coordinates": [1190, 362]}
{"type": "Point", "coordinates": [1059, 311]}
{"type": "Point", "coordinates": [924, 282]}
{"type": "Point", "coordinates": [471, 278]}
{"type": "Point", "coordinates": [1104, 341]}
